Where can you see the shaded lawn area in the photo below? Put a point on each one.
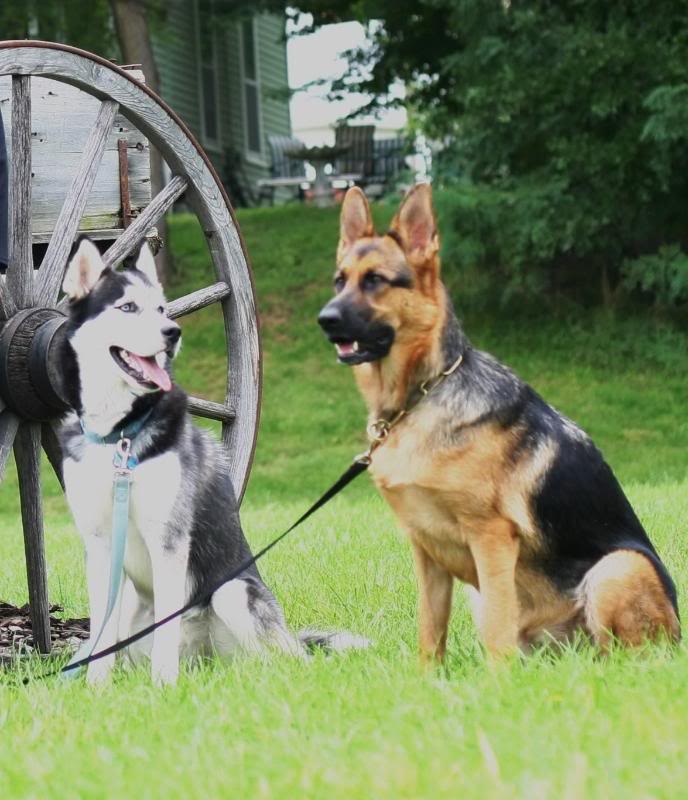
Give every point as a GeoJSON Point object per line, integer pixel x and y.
{"type": "Point", "coordinates": [370, 724]}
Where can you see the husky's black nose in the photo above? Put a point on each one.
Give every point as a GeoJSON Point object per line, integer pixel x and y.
{"type": "Point", "coordinates": [172, 333]}
{"type": "Point", "coordinates": [330, 318]}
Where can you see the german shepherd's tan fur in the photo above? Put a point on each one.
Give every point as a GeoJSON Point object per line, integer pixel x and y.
{"type": "Point", "coordinates": [492, 485]}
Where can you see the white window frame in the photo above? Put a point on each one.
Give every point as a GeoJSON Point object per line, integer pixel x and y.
{"type": "Point", "coordinates": [253, 156]}
{"type": "Point", "coordinates": [208, 141]}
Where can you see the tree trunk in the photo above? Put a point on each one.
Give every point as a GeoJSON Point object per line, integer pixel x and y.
{"type": "Point", "coordinates": [131, 24]}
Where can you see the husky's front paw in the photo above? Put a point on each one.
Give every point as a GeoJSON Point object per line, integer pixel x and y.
{"type": "Point", "coordinates": [98, 672]}
{"type": "Point", "coordinates": [165, 674]}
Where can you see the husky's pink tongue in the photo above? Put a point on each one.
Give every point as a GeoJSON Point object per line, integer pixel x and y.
{"type": "Point", "coordinates": [153, 371]}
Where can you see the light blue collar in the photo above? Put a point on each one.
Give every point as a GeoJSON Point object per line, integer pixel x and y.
{"type": "Point", "coordinates": [128, 432]}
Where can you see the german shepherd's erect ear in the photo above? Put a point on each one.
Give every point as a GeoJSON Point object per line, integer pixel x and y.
{"type": "Point", "coordinates": [356, 221]}
{"type": "Point", "coordinates": [415, 228]}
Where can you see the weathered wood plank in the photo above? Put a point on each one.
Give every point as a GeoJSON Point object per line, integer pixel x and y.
{"type": "Point", "coordinates": [207, 199]}
{"type": "Point", "coordinates": [6, 303]}
{"type": "Point", "coordinates": [138, 229]}
{"type": "Point", "coordinates": [9, 424]}
{"type": "Point", "coordinates": [27, 453]}
{"type": "Point", "coordinates": [210, 410]}
{"type": "Point", "coordinates": [20, 267]}
{"type": "Point", "coordinates": [198, 299]}
{"type": "Point", "coordinates": [103, 207]}
{"type": "Point", "coordinates": [106, 234]}
{"type": "Point", "coordinates": [52, 448]}
{"type": "Point", "coordinates": [55, 260]}
{"type": "Point", "coordinates": [61, 119]}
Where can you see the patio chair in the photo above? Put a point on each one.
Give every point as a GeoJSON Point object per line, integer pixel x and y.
{"type": "Point", "coordinates": [389, 157]}
{"type": "Point", "coordinates": [373, 164]}
{"type": "Point", "coordinates": [356, 164]}
{"type": "Point", "coordinates": [286, 172]}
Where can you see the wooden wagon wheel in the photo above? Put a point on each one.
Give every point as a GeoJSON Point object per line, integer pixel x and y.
{"type": "Point", "coordinates": [31, 323]}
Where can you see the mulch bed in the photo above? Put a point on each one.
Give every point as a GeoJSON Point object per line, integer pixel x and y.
{"type": "Point", "coordinates": [16, 635]}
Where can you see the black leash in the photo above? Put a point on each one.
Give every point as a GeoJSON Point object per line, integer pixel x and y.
{"type": "Point", "coordinates": [377, 434]}
{"type": "Point", "coordinates": [359, 465]}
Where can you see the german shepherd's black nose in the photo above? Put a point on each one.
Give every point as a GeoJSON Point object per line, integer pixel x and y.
{"type": "Point", "coordinates": [330, 318]}
{"type": "Point", "coordinates": [172, 334]}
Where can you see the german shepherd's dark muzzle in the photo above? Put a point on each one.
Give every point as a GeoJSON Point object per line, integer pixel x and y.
{"type": "Point", "coordinates": [356, 336]}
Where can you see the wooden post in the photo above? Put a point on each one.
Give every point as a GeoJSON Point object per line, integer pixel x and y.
{"type": "Point", "coordinates": [124, 182]}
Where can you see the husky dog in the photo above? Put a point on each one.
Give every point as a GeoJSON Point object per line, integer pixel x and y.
{"type": "Point", "coordinates": [184, 532]}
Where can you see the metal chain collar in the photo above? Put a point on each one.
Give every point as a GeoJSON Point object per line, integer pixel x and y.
{"type": "Point", "coordinates": [378, 431]}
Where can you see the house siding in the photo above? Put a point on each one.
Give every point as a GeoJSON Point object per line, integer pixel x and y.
{"type": "Point", "coordinates": [174, 46]}
{"type": "Point", "coordinates": [176, 51]}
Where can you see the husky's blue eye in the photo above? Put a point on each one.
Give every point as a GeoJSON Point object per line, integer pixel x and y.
{"type": "Point", "coordinates": [128, 308]}
{"type": "Point", "coordinates": [339, 283]}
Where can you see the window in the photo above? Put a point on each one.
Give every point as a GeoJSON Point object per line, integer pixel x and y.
{"type": "Point", "coordinates": [207, 73]}
{"type": "Point", "coordinates": [251, 90]}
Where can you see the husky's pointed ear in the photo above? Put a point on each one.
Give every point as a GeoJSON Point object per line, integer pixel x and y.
{"type": "Point", "coordinates": [415, 226]}
{"type": "Point", "coordinates": [355, 220]}
{"type": "Point", "coordinates": [146, 263]}
{"type": "Point", "coordinates": [83, 271]}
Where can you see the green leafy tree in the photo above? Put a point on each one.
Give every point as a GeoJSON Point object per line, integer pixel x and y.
{"type": "Point", "coordinates": [565, 116]}
{"type": "Point", "coordinates": [564, 127]}
{"type": "Point", "coordinates": [86, 25]}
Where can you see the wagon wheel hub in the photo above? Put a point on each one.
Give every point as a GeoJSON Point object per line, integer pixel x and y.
{"type": "Point", "coordinates": [30, 377]}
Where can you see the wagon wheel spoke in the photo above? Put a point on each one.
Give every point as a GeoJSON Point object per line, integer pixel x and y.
{"type": "Point", "coordinates": [51, 446]}
{"type": "Point", "coordinates": [55, 260]}
{"type": "Point", "coordinates": [191, 302]}
{"type": "Point", "coordinates": [9, 423]}
{"type": "Point", "coordinates": [6, 303]}
{"type": "Point", "coordinates": [27, 453]}
{"type": "Point", "coordinates": [20, 269]}
{"type": "Point", "coordinates": [138, 229]}
{"type": "Point", "coordinates": [210, 410]}
{"type": "Point", "coordinates": [197, 300]}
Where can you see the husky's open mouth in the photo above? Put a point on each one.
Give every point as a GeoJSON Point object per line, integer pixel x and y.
{"type": "Point", "coordinates": [148, 371]}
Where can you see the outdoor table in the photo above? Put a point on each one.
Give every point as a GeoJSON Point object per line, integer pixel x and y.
{"type": "Point", "coordinates": [320, 157]}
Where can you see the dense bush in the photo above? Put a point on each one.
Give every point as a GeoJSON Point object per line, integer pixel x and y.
{"type": "Point", "coordinates": [567, 159]}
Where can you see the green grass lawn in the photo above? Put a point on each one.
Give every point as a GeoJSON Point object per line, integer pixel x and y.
{"type": "Point", "coordinates": [371, 724]}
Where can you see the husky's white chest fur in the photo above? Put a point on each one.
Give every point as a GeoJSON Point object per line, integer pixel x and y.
{"type": "Point", "coordinates": [155, 485]}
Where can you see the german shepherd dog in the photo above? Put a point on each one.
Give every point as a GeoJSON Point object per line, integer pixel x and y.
{"type": "Point", "coordinates": [491, 484]}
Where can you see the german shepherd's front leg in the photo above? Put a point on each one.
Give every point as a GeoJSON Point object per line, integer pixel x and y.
{"type": "Point", "coordinates": [494, 548]}
{"type": "Point", "coordinates": [434, 604]}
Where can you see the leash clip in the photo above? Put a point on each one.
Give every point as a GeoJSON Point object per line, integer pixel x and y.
{"type": "Point", "coordinates": [379, 430]}
{"type": "Point", "coordinates": [123, 461]}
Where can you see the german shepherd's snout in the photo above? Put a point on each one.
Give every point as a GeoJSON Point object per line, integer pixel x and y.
{"type": "Point", "coordinates": [492, 485]}
{"type": "Point", "coordinates": [350, 325]}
